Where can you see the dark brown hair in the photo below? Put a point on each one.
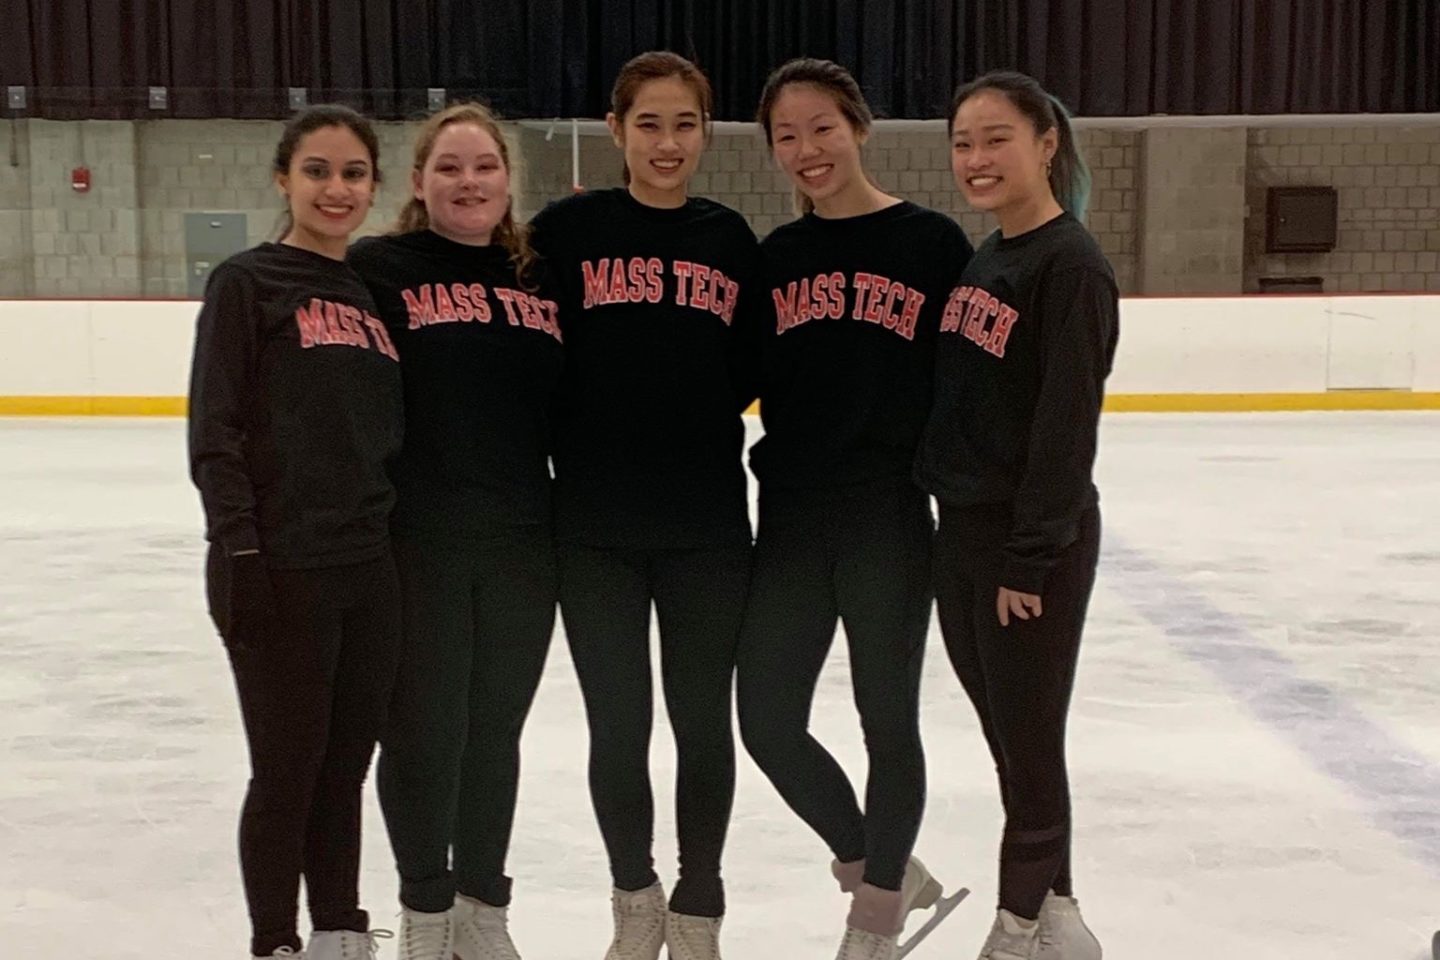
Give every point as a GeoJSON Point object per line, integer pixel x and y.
{"type": "Point", "coordinates": [510, 234]}
{"type": "Point", "coordinates": [826, 76]}
{"type": "Point", "coordinates": [658, 65]}
{"type": "Point", "coordinates": [1069, 175]}
{"type": "Point", "coordinates": [319, 117]}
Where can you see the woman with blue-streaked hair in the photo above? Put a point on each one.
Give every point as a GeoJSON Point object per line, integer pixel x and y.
{"type": "Point", "coordinates": [1026, 342]}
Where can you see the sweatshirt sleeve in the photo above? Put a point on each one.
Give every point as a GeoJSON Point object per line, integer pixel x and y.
{"type": "Point", "coordinates": [752, 313]}
{"type": "Point", "coordinates": [222, 384]}
{"type": "Point", "coordinates": [1080, 308]}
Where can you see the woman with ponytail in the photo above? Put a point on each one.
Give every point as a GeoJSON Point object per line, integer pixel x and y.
{"type": "Point", "coordinates": [657, 291]}
{"type": "Point", "coordinates": [476, 324]}
{"type": "Point", "coordinates": [1026, 344]}
{"type": "Point", "coordinates": [857, 285]}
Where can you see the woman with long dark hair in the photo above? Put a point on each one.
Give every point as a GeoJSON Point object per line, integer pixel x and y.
{"type": "Point", "coordinates": [1027, 341]}
{"type": "Point", "coordinates": [295, 414]}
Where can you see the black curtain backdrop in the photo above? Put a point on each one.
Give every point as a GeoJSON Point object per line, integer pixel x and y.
{"type": "Point", "coordinates": [542, 58]}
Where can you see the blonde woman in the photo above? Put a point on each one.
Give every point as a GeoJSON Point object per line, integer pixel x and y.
{"type": "Point", "coordinates": [475, 324]}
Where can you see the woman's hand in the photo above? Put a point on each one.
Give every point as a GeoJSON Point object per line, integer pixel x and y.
{"type": "Point", "coordinates": [1022, 605]}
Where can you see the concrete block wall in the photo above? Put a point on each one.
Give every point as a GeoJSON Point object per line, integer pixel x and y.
{"type": "Point", "coordinates": [1192, 223]}
{"type": "Point", "coordinates": [224, 166]}
{"type": "Point", "coordinates": [737, 171]}
{"type": "Point", "coordinates": [1177, 210]}
{"type": "Point", "coordinates": [1113, 214]}
{"type": "Point", "coordinates": [84, 244]}
{"type": "Point", "coordinates": [17, 260]}
{"type": "Point", "coordinates": [220, 166]}
{"type": "Point", "coordinates": [1388, 184]}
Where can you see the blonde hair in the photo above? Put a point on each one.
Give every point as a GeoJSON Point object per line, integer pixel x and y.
{"type": "Point", "coordinates": [512, 235]}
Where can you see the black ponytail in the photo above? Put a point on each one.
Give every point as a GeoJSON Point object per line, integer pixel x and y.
{"type": "Point", "coordinates": [1069, 174]}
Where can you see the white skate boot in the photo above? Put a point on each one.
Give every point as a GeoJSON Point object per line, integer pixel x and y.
{"type": "Point", "coordinates": [482, 931]}
{"type": "Point", "coordinates": [1011, 939]}
{"type": "Point", "coordinates": [692, 938]}
{"type": "Point", "coordinates": [639, 923]}
{"type": "Point", "coordinates": [918, 890]}
{"type": "Point", "coordinates": [426, 936]}
{"type": "Point", "coordinates": [872, 929]}
{"type": "Point", "coordinates": [1063, 934]}
{"type": "Point", "coordinates": [866, 936]}
{"type": "Point", "coordinates": [345, 944]}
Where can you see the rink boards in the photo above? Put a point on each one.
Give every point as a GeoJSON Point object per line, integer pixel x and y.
{"type": "Point", "coordinates": [1361, 352]}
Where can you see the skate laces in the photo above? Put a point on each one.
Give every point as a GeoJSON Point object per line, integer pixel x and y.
{"type": "Point", "coordinates": [485, 928]}
{"type": "Point", "coordinates": [692, 938]}
{"type": "Point", "coordinates": [864, 945]}
{"type": "Point", "coordinates": [639, 919]}
{"type": "Point", "coordinates": [367, 943]}
{"type": "Point", "coordinates": [427, 939]}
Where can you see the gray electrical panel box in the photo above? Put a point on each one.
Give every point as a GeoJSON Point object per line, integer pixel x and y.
{"type": "Point", "coordinates": [210, 238]}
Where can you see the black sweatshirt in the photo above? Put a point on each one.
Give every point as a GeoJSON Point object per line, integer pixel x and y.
{"type": "Point", "coordinates": [1028, 338]}
{"type": "Point", "coordinates": [482, 358]}
{"type": "Point", "coordinates": [295, 410]}
{"type": "Point", "coordinates": [656, 305]}
{"type": "Point", "coordinates": [849, 352]}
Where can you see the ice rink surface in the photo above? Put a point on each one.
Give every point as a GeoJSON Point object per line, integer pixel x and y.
{"type": "Point", "coordinates": [1255, 744]}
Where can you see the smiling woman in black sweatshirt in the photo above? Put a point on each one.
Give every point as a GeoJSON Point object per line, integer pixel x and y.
{"type": "Point", "coordinates": [476, 320]}
{"type": "Point", "coordinates": [656, 288]}
{"type": "Point", "coordinates": [295, 413]}
{"type": "Point", "coordinates": [856, 289]}
{"type": "Point", "coordinates": [1027, 340]}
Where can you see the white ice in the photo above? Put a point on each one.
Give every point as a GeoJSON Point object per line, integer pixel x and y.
{"type": "Point", "coordinates": [1255, 739]}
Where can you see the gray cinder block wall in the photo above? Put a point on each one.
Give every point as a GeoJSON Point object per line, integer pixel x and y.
{"type": "Point", "coordinates": [17, 251]}
{"type": "Point", "coordinates": [1192, 224]}
{"type": "Point", "coordinates": [1388, 184]}
{"type": "Point", "coordinates": [1177, 209]}
{"type": "Point", "coordinates": [737, 170]}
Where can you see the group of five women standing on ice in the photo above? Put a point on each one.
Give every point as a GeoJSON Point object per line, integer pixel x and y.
{"type": "Point", "coordinates": [373, 429]}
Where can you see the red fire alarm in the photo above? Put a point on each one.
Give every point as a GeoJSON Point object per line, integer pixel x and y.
{"type": "Point", "coordinates": [80, 179]}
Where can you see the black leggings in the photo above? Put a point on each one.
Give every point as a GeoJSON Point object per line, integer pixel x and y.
{"type": "Point", "coordinates": [313, 697]}
{"type": "Point", "coordinates": [478, 619]}
{"type": "Point", "coordinates": [699, 596]}
{"type": "Point", "coordinates": [1020, 679]}
{"type": "Point", "coordinates": [862, 558]}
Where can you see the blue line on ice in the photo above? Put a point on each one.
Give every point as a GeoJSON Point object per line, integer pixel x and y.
{"type": "Point", "coordinates": [1400, 786]}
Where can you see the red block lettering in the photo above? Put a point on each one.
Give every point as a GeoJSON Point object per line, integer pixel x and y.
{"type": "Point", "coordinates": [595, 280]}
{"type": "Point", "coordinates": [422, 309]}
{"type": "Point", "coordinates": [683, 269]}
{"type": "Point", "coordinates": [732, 294]}
{"type": "Point", "coordinates": [507, 298]}
{"type": "Point", "coordinates": [862, 283]}
{"type": "Point", "coordinates": [784, 307]}
{"type": "Point", "coordinates": [311, 323]}
{"type": "Point", "coordinates": [910, 314]}
{"type": "Point", "coordinates": [887, 312]}
{"type": "Point", "coordinates": [478, 301]}
{"type": "Point", "coordinates": [872, 303]}
{"type": "Point", "coordinates": [1001, 331]}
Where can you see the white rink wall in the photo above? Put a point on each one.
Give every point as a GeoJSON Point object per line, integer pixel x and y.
{"type": "Point", "coordinates": [71, 350]}
{"type": "Point", "coordinates": [1276, 344]}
